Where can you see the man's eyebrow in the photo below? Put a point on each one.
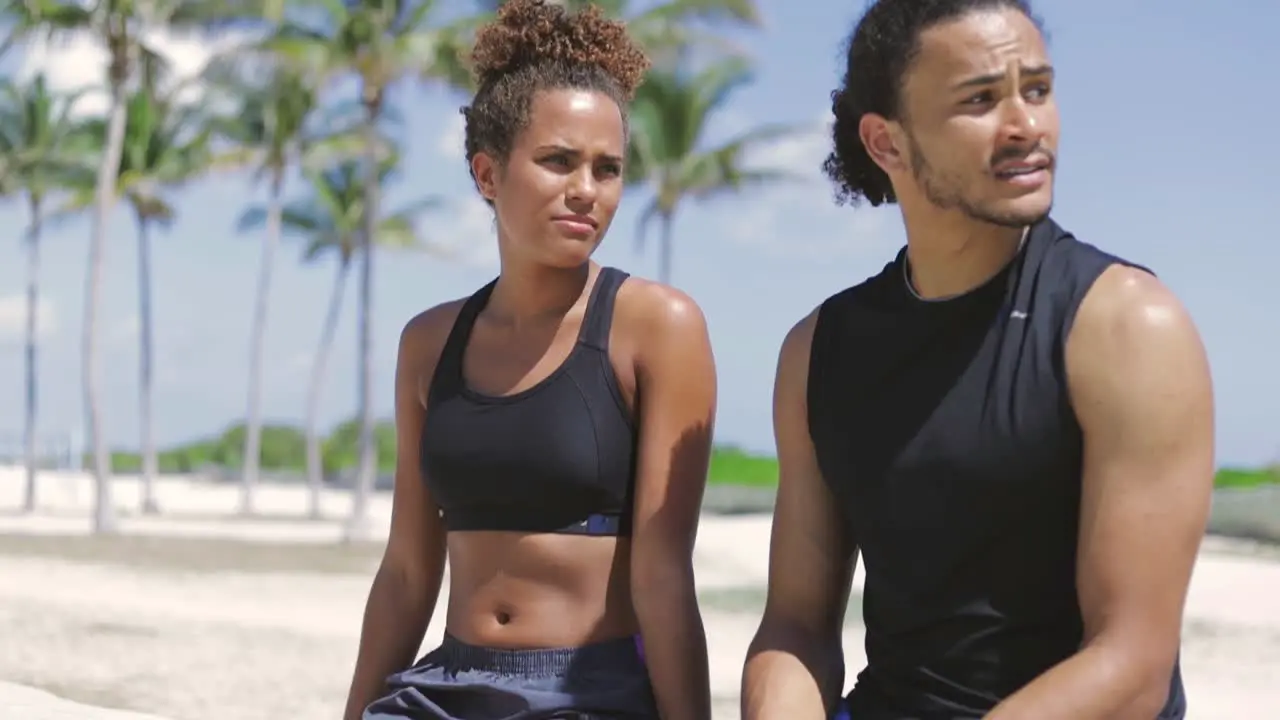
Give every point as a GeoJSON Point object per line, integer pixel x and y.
{"type": "Point", "coordinates": [992, 78]}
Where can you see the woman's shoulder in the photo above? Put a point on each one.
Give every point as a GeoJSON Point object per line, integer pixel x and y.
{"type": "Point", "coordinates": [655, 312]}
{"type": "Point", "coordinates": [433, 322]}
{"type": "Point", "coordinates": [423, 337]}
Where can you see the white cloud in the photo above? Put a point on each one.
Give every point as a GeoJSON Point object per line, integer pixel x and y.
{"type": "Point", "coordinates": [800, 217]}
{"type": "Point", "coordinates": [78, 62]}
{"type": "Point", "coordinates": [784, 226]}
{"type": "Point", "coordinates": [290, 371]}
{"type": "Point", "coordinates": [300, 361]}
{"type": "Point", "coordinates": [452, 141]}
{"type": "Point", "coordinates": [801, 153]}
{"type": "Point", "coordinates": [124, 331]}
{"type": "Point", "coordinates": [169, 375]}
{"type": "Point", "coordinates": [13, 319]}
{"type": "Point", "coordinates": [469, 236]}
{"type": "Point", "coordinates": [726, 122]}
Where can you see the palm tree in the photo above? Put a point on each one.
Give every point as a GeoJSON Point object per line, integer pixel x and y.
{"type": "Point", "coordinates": [119, 25]}
{"type": "Point", "coordinates": [35, 130]}
{"type": "Point", "coordinates": [331, 220]}
{"type": "Point", "coordinates": [166, 145]}
{"type": "Point", "coordinates": [381, 42]}
{"type": "Point", "coordinates": [268, 132]}
{"type": "Point", "coordinates": [669, 117]}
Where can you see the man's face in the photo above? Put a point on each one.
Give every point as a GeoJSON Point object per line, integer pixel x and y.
{"type": "Point", "coordinates": [979, 119]}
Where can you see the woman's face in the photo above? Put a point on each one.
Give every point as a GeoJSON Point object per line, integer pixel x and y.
{"type": "Point", "coordinates": [556, 195]}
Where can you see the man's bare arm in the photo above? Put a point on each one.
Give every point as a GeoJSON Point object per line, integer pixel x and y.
{"type": "Point", "coordinates": [1140, 385]}
{"type": "Point", "coordinates": [791, 672]}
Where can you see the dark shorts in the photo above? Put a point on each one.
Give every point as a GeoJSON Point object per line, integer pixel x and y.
{"type": "Point", "coordinates": [457, 681]}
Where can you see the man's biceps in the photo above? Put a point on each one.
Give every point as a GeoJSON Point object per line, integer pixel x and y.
{"type": "Point", "coordinates": [1141, 549]}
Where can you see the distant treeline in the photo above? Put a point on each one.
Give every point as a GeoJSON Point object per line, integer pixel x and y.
{"type": "Point", "coordinates": [284, 451]}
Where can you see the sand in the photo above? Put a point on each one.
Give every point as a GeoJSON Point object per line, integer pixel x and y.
{"type": "Point", "coordinates": [198, 614]}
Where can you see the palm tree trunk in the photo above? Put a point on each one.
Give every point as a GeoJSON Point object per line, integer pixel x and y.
{"type": "Point", "coordinates": [104, 517]}
{"type": "Point", "coordinates": [253, 431]}
{"type": "Point", "coordinates": [664, 250]}
{"type": "Point", "coordinates": [146, 374]}
{"type": "Point", "coordinates": [358, 525]}
{"type": "Point", "coordinates": [33, 374]}
{"type": "Point", "coordinates": [315, 460]}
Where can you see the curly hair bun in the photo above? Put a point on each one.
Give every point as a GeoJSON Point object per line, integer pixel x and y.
{"type": "Point", "coordinates": [533, 32]}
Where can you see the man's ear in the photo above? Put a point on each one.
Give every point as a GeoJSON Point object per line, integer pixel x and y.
{"type": "Point", "coordinates": [880, 137]}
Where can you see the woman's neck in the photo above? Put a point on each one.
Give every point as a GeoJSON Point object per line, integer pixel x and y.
{"type": "Point", "coordinates": [531, 294]}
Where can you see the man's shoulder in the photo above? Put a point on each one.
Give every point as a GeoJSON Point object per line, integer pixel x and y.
{"type": "Point", "coordinates": [880, 291]}
{"type": "Point", "coordinates": [1072, 257]}
{"type": "Point", "coordinates": [811, 335]}
{"type": "Point", "coordinates": [1073, 274]}
{"type": "Point", "coordinates": [1128, 302]}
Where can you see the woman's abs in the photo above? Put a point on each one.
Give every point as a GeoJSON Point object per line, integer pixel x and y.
{"type": "Point", "coordinates": [512, 590]}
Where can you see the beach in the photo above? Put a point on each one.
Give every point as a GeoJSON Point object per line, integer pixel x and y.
{"type": "Point", "coordinates": [198, 614]}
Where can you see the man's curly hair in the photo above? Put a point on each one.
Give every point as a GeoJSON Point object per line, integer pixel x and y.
{"type": "Point", "coordinates": [533, 46]}
{"type": "Point", "coordinates": [881, 49]}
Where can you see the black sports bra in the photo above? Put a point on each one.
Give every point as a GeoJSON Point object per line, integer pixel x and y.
{"type": "Point", "coordinates": [557, 457]}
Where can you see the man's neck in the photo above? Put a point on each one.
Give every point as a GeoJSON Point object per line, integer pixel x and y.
{"type": "Point", "coordinates": [950, 259]}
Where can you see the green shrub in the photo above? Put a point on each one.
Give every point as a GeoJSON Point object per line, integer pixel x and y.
{"type": "Point", "coordinates": [1243, 478]}
{"type": "Point", "coordinates": [733, 466]}
{"type": "Point", "coordinates": [284, 449]}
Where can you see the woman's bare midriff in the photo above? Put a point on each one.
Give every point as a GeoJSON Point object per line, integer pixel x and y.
{"type": "Point", "coordinates": [516, 590]}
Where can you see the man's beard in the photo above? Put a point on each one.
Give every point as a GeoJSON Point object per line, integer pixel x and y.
{"type": "Point", "coordinates": [946, 192]}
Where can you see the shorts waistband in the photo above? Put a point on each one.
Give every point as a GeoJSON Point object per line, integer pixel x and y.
{"type": "Point", "coordinates": [619, 654]}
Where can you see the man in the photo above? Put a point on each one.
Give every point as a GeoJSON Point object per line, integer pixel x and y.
{"type": "Point", "coordinates": [1013, 428]}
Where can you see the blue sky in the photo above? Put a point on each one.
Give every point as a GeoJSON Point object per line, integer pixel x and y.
{"type": "Point", "coordinates": [1166, 159]}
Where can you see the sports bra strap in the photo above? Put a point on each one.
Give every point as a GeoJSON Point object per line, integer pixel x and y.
{"type": "Point", "coordinates": [448, 374]}
{"type": "Point", "coordinates": [594, 332]}
{"type": "Point", "coordinates": [599, 319]}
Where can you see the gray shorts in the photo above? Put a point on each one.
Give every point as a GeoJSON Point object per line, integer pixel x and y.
{"type": "Point", "coordinates": [457, 681]}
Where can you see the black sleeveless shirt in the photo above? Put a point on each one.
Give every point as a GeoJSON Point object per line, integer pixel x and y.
{"type": "Point", "coordinates": [556, 457]}
{"type": "Point", "coordinates": [945, 432]}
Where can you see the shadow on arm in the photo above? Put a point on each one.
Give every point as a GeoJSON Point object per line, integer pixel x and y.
{"type": "Point", "coordinates": [676, 402]}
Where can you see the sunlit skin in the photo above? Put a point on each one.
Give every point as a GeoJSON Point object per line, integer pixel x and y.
{"type": "Point", "coordinates": [978, 100]}
{"type": "Point", "coordinates": [977, 106]}
{"type": "Point", "coordinates": [554, 197]}
{"type": "Point", "coordinates": [557, 193]}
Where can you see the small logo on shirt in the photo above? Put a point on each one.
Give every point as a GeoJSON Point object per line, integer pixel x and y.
{"type": "Point", "coordinates": [1018, 315]}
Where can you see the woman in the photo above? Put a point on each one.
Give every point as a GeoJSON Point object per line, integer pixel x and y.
{"type": "Point", "coordinates": [554, 428]}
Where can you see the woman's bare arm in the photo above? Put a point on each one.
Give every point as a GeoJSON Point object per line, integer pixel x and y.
{"type": "Point", "coordinates": [407, 584]}
{"type": "Point", "coordinates": [676, 380]}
